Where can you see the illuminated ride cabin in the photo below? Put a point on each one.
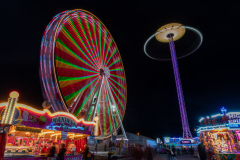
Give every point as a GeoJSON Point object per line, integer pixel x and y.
{"type": "Point", "coordinates": [24, 131]}
{"type": "Point", "coordinates": [221, 132]}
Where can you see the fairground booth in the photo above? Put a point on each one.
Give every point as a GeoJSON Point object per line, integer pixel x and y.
{"type": "Point", "coordinates": [25, 131]}
{"type": "Point", "coordinates": [180, 143]}
{"type": "Point", "coordinates": [222, 133]}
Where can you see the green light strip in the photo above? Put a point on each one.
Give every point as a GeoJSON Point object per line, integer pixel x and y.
{"type": "Point", "coordinates": [103, 115]}
{"type": "Point", "coordinates": [95, 35]}
{"type": "Point", "coordinates": [117, 76]}
{"type": "Point", "coordinates": [71, 95]}
{"type": "Point", "coordinates": [90, 112]}
{"type": "Point", "coordinates": [118, 99]}
{"type": "Point", "coordinates": [105, 40]}
{"type": "Point", "coordinates": [58, 40]}
{"type": "Point", "coordinates": [114, 62]}
{"type": "Point", "coordinates": [108, 52]}
{"type": "Point", "coordinates": [60, 78]}
{"type": "Point", "coordinates": [118, 69]}
{"type": "Point", "coordinates": [72, 65]}
{"type": "Point", "coordinates": [85, 35]}
{"type": "Point", "coordinates": [118, 91]}
{"type": "Point", "coordinates": [115, 51]}
{"type": "Point", "coordinates": [76, 44]}
{"type": "Point", "coordinates": [89, 32]}
{"type": "Point", "coordinates": [118, 83]}
{"type": "Point", "coordinates": [89, 53]}
{"type": "Point", "coordinates": [109, 114]}
{"type": "Point", "coordinates": [87, 98]}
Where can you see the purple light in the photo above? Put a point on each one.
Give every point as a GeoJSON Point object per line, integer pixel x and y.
{"type": "Point", "coordinates": [186, 130]}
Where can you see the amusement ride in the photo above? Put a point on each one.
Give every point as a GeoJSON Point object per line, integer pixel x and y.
{"type": "Point", "coordinates": [168, 34]}
{"type": "Point", "coordinates": [82, 71]}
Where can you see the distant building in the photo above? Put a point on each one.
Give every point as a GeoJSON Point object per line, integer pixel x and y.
{"type": "Point", "coordinates": [141, 140]}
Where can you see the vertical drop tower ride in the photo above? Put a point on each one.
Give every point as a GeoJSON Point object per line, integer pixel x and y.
{"type": "Point", "coordinates": [168, 34]}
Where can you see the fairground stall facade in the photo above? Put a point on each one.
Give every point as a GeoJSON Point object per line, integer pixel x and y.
{"type": "Point", "coordinates": [180, 143]}
{"type": "Point", "coordinates": [222, 133]}
{"type": "Point", "coordinates": [25, 130]}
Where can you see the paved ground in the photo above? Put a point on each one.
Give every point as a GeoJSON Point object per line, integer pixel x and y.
{"type": "Point", "coordinates": [179, 157]}
{"type": "Point", "coordinates": [103, 156]}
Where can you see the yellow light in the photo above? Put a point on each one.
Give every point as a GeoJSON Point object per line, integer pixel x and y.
{"type": "Point", "coordinates": [48, 132]}
{"type": "Point", "coordinates": [138, 133]}
{"type": "Point", "coordinates": [53, 114]}
{"type": "Point", "coordinates": [14, 94]}
{"type": "Point", "coordinates": [96, 118]}
{"type": "Point", "coordinates": [55, 134]}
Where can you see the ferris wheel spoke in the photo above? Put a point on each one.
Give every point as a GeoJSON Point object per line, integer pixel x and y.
{"type": "Point", "coordinates": [111, 91]}
{"type": "Point", "coordinates": [86, 38]}
{"type": "Point", "coordinates": [109, 114]}
{"type": "Point", "coordinates": [117, 90]}
{"type": "Point", "coordinates": [120, 77]}
{"type": "Point", "coordinates": [61, 46]}
{"type": "Point", "coordinates": [114, 52]}
{"type": "Point", "coordinates": [104, 45]}
{"type": "Point", "coordinates": [109, 46]}
{"type": "Point", "coordinates": [95, 37]}
{"type": "Point", "coordinates": [103, 111]}
{"type": "Point", "coordinates": [71, 96]}
{"type": "Point", "coordinates": [69, 39]}
{"type": "Point", "coordinates": [91, 37]}
{"type": "Point", "coordinates": [86, 99]}
{"type": "Point", "coordinates": [120, 102]}
{"type": "Point", "coordinates": [70, 81]}
{"type": "Point", "coordinates": [100, 45]}
{"type": "Point", "coordinates": [116, 61]}
{"type": "Point", "coordinates": [118, 84]}
{"type": "Point", "coordinates": [80, 41]}
{"type": "Point", "coordinates": [112, 118]}
{"type": "Point", "coordinates": [117, 69]}
{"type": "Point", "coordinates": [65, 64]}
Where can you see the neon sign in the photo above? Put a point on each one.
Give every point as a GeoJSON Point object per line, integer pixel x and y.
{"type": "Point", "coordinates": [64, 119]}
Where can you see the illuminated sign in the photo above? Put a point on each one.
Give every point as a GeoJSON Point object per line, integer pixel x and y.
{"type": "Point", "coordinates": [167, 139]}
{"type": "Point", "coordinates": [185, 142]}
{"type": "Point", "coordinates": [64, 119]}
{"type": "Point", "coordinates": [234, 118]}
{"type": "Point", "coordinates": [59, 121]}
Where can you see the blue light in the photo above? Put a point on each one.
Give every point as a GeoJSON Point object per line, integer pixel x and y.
{"type": "Point", "coordinates": [223, 110]}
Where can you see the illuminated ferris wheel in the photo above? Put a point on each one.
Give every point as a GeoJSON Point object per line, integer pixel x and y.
{"type": "Point", "coordinates": [82, 72]}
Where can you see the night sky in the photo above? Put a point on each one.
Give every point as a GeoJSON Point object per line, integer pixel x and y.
{"type": "Point", "coordinates": [210, 76]}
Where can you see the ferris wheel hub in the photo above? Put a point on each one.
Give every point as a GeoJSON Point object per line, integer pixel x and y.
{"type": "Point", "coordinates": [107, 72]}
{"type": "Point", "coordinates": [101, 72]}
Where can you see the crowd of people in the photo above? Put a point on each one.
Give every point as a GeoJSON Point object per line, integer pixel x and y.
{"type": "Point", "coordinates": [143, 153]}
{"type": "Point", "coordinates": [205, 152]}
{"type": "Point", "coordinates": [52, 150]}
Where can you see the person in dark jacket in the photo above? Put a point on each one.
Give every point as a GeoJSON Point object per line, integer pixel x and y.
{"type": "Point", "coordinates": [52, 152]}
{"type": "Point", "coordinates": [174, 153]}
{"type": "Point", "coordinates": [85, 152]}
{"type": "Point", "coordinates": [61, 152]}
{"type": "Point", "coordinates": [202, 151]}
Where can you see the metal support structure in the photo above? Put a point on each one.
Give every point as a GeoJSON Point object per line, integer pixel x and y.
{"type": "Point", "coordinates": [186, 131]}
{"type": "Point", "coordinates": [118, 114]}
